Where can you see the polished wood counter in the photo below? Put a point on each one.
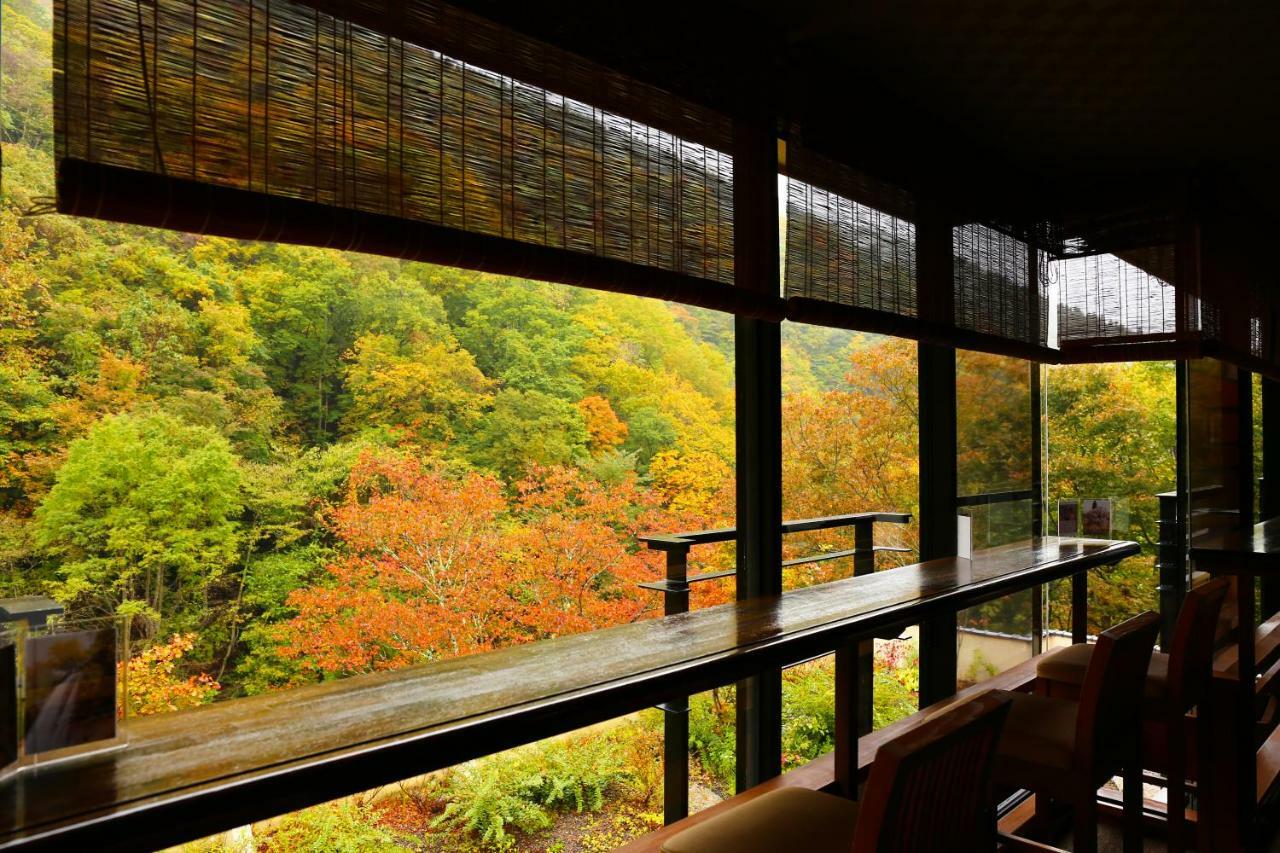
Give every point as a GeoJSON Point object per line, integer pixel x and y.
{"type": "Point", "coordinates": [188, 774]}
{"type": "Point", "coordinates": [1252, 551]}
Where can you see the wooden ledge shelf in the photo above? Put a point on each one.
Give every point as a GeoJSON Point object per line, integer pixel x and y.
{"type": "Point", "coordinates": [189, 774]}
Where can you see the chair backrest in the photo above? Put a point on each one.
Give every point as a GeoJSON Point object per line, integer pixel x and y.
{"type": "Point", "coordinates": [1191, 652]}
{"type": "Point", "coordinates": [1111, 696]}
{"type": "Point", "coordinates": [930, 788]}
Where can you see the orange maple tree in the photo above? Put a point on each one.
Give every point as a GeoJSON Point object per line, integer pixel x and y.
{"type": "Point", "coordinates": [604, 426]}
{"type": "Point", "coordinates": [436, 565]}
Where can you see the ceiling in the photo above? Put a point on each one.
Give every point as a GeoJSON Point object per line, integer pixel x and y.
{"type": "Point", "coordinates": [1075, 110]}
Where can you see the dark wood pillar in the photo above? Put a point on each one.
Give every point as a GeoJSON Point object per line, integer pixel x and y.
{"type": "Point", "coordinates": [1269, 506]}
{"type": "Point", "coordinates": [937, 388]}
{"type": "Point", "coordinates": [1244, 445]}
{"type": "Point", "coordinates": [758, 366]}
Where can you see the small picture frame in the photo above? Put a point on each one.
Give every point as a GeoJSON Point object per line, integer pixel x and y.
{"type": "Point", "coordinates": [70, 676]}
{"type": "Point", "coordinates": [1068, 518]}
{"type": "Point", "coordinates": [1096, 518]}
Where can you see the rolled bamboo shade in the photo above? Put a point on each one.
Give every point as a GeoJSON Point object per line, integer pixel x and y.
{"type": "Point", "coordinates": [851, 261]}
{"type": "Point", "coordinates": [998, 291]}
{"type": "Point", "coordinates": [847, 253]}
{"type": "Point", "coordinates": [277, 120]}
{"type": "Point", "coordinates": [1124, 303]}
{"type": "Point", "coordinates": [1130, 306]}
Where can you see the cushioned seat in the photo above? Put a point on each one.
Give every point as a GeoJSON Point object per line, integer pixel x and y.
{"type": "Point", "coordinates": [1067, 666]}
{"type": "Point", "coordinates": [1040, 730]}
{"type": "Point", "coordinates": [786, 819]}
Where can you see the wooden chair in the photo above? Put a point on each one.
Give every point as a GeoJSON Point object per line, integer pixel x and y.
{"type": "Point", "coordinates": [1065, 750]}
{"type": "Point", "coordinates": [1176, 682]}
{"type": "Point", "coordinates": [929, 790]}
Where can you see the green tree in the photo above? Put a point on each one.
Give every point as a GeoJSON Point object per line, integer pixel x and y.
{"type": "Point", "coordinates": [429, 390]}
{"type": "Point", "coordinates": [523, 334]}
{"type": "Point", "coordinates": [1112, 434]}
{"type": "Point", "coordinates": [142, 519]}
{"type": "Point", "coordinates": [27, 397]}
{"type": "Point", "coordinates": [529, 428]}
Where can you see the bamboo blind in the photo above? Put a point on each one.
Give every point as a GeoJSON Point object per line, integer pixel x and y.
{"type": "Point", "coordinates": [847, 253]}
{"type": "Point", "coordinates": [1109, 297]}
{"type": "Point", "coordinates": [996, 291]}
{"type": "Point", "coordinates": [284, 102]}
{"type": "Point", "coordinates": [851, 260]}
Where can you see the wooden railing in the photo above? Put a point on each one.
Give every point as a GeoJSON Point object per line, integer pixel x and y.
{"type": "Point", "coordinates": [675, 599]}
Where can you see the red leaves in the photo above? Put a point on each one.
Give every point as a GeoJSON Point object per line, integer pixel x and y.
{"type": "Point", "coordinates": [437, 566]}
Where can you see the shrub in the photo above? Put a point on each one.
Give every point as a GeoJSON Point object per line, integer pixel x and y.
{"type": "Point", "coordinates": [155, 686]}
{"type": "Point", "coordinates": [520, 790]}
{"type": "Point", "coordinates": [713, 734]}
{"type": "Point", "coordinates": [345, 826]}
{"type": "Point", "coordinates": [808, 712]}
{"type": "Point", "coordinates": [489, 796]}
{"type": "Point", "coordinates": [897, 682]}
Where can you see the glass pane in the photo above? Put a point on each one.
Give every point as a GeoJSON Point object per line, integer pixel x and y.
{"type": "Point", "coordinates": [596, 788]}
{"type": "Point", "coordinates": [993, 423]}
{"type": "Point", "coordinates": [1111, 450]}
{"type": "Point", "coordinates": [342, 464]}
{"type": "Point", "coordinates": [994, 430]}
{"type": "Point", "coordinates": [849, 445]}
{"type": "Point", "coordinates": [1257, 448]}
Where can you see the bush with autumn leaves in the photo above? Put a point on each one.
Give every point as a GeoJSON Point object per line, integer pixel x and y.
{"type": "Point", "coordinates": [153, 683]}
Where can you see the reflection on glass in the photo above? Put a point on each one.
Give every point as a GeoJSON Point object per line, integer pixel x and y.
{"type": "Point", "coordinates": [994, 431]}
{"type": "Point", "coordinates": [1257, 448]}
{"type": "Point", "coordinates": [993, 638]}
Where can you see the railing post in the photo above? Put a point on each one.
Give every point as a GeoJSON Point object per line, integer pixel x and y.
{"type": "Point", "coordinates": [864, 563]}
{"type": "Point", "coordinates": [1170, 565]}
{"type": "Point", "coordinates": [675, 713]}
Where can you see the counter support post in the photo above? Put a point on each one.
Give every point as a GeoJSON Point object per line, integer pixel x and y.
{"type": "Point", "coordinates": [1080, 607]}
{"type": "Point", "coordinates": [1171, 565]}
{"type": "Point", "coordinates": [864, 563]}
{"type": "Point", "coordinates": [849, 700]}
{"type": "Point", "coordinates": [675, 713]}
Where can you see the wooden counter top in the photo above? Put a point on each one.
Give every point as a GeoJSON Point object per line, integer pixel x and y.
{"type": "Point", "coordinates": [192, 773]}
